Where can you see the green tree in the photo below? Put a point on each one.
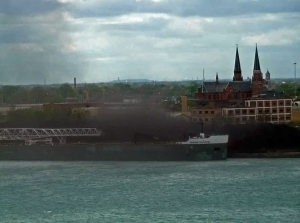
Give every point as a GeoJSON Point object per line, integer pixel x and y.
{"type": "Point", "coordinates": [66, 90]}
{"type": "Point", "coordinates": [21, 96]}
{"type": "Point", "coordinates": [192, 88]}
{"type": "Point", "coordinates": [288, 88]}
{"type": "Point", "coordinates": [7, 91]}
{"type": "Point", "coordinates": [38, 94]}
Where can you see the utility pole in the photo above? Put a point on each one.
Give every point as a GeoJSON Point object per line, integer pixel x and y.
{"type": "Point", "coordinates": [103, 95]}
{"type": "Point", "coordinates": [203, 81]}
{"type": "Point", "coordinates": [295, 64]}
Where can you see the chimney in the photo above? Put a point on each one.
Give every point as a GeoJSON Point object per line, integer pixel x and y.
{"type": "Point", "coordinates": [184, 104]}
{"type": "Point", "coordinates": [74, 82]}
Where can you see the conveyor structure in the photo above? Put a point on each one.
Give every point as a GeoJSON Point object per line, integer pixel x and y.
{"type": "Point", "coordinates": [33, 135]}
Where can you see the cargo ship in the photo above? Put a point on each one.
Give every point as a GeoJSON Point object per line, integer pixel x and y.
{"type": "Point", "coordinates": [196, 148]}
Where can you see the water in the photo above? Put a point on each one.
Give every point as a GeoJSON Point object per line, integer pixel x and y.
{"type": "Point", "coordinates": [236, 190]}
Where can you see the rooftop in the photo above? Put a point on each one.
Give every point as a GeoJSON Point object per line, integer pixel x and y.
{"type": "Point", "coordinates": [270, 94]}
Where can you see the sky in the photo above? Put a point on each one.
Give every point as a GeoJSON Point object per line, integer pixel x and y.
{"type": "Point", "coordinates": [95, 41]}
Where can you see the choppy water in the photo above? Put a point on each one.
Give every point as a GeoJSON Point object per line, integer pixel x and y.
{"type": "Point", "coordinates": [240, 190]}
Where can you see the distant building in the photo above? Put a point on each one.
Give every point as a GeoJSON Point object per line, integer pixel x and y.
{"type": "Point", "coordinates": [268, 76]}
{"type": "Point", "coordinates": [268, 82]}
{"type": "Point", "coordinates": [205, 114]}
{"type": "Point", "coordinates": [6, 108]}
{"type": "Point", "coordinates": [236, 90]}
{"type": "Point", "coordinates": [239, 100]}
{"type": "Point", "coordinates": [268, 107]}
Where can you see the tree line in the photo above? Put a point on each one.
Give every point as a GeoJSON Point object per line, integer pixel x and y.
{"type": "Point", "coordinates": [102, 92]}
{"type": "Point", "coordinates": [290, 89]}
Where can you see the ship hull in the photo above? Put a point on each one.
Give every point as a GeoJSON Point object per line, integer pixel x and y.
{"type": "Point", "coordinates": [115, 152]}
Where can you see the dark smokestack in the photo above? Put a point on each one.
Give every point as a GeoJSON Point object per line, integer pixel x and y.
{"type": "Point", "coordinates": [74, 82]}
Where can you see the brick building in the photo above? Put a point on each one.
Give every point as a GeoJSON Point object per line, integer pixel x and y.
{"type": "Point", "coordinates": [267, 107]}
{"type": "Point", "coordinates": [236, 90]}
{"type": "Point", "coordinates": [240, 100]}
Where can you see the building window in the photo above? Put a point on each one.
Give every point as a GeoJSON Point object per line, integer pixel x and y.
{"type": "Point", "coordinates": [260, 104]}
{"type": "Point", "coordinates": [267, 104]}
{"type": "Point", "coordinates": [206, 119]}
{"type": "Point", "coordinates": [252, 104]}
{"type": "Point", "coordinates": [274, 110]}
{"type": "Point", "coordinates": [274, 118]}
{"type": "Point", "coordinates": [200, 112]}
{"type": "Point", "coordinates": [251, 111]}
{"type": "Point", "coordinates": [244, 111]}
{"type": "Point", "coordinates": [288, 110]}
{"type": "Point", "coordinates": [212, 112]}
{"type": "Point", "coordinates": [267, 111]}
{"type": "Point", "coordinates": [281, 103]}
{"type": "Point", "coordinates": [206, 112]}
{"type": "Point", "coordinates": [274, 103]}
{"type": "Point", "coordinates": [288, 103]}
{"type": "Point", "coordinates": [281, 110]}
{"type": "Point", "coordinates": [237, 112]}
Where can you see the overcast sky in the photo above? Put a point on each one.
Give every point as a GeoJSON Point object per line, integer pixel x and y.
{"type": "Point", "coordinates": [101, 40]}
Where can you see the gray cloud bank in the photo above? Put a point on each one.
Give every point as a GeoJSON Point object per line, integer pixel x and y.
{"type": "Point", "coordinates": [101, 40]}
{"type": "Point", "coordinates": [207, 8]}
{"type": "Point", "coordinates": [28, 7]}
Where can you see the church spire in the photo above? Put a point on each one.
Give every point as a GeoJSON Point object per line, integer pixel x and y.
{"type": "Point", "coordinates": [257, 78]}
{"type": "Point", "coordinates": [237, 67]}
{"type": "Point", "coordinates": [256, 60]}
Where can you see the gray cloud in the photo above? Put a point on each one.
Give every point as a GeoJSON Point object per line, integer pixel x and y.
{"type": "Point", "coordinates": [169, 40]}
{"type": "Point", "coordinates": [28, 7]}
{"type": "Point", "coordinates": [153, 25]}
{"type": "Point", "coordinates": [29, 63]}
{"type": "Point", "coordinates": [205, 8]}
{"type": "Point", "coordinates": [19, 34]}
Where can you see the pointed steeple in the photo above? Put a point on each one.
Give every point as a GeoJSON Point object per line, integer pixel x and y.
{"type": "Point", "coordinates": [217, 78]}
{"type": "Point", "coordinates": [257, 78]}
{"type": "Point", "coordinates": [237, 65]}
{"type": "Point", "coordinates": [256, 60]}
{"type": "Point", "coordinates": [268, 75]}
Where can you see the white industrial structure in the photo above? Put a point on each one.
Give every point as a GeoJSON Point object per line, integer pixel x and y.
{"type": "Point", "coordinates": [34, 135]}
